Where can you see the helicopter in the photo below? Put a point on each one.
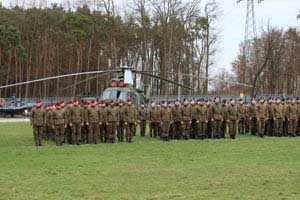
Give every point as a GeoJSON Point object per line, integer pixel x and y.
{"type": "Point", "coordinates": [14, 107]}
{"type": "Point", "coordinates": [122, 86]}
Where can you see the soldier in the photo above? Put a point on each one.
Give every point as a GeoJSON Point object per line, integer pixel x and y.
{"type": "Point", "coordinates": [76, 122]}
{"type": "Point", "coordinates": [85, 129]}
{"type": "Point", "coordinates": [38, 122]}
{"type": "Point", "coordinates": [93, 122]}
{"type": "Point", "coordinates": [292, 117]}
{"type": "Point", "coordinates": [102, 121]}
{"type": "Point", "coordinates": [121, 127]}
{"type": "Point", "coordinates": [210, 119]}
{"type": "Point", "coordinates": [217, 118]}
{"type": "Point", "coordinates": [166, 121]}
{"type": "Point", "coordinates": [187, 119]}
{"type": "Point", "coordinates": [252, 117]}
{"type": "Point", "coordinates": [177, 120]}
{"type": "Point", "coordinates": [224, 122]}
{"type": "Point", "coordinates": [278, 118]}
{"type": "Point", "coordinates": [68, 129]}
{"type": "Point", "coordinates": [241, 117]}
{"type": "Point", "coordinates": [149, 116]}
{"type": "Point", "coordinates": [232, 118]}
{"type": "Point", "coordinates": [261, 116]}
{"type": "Point", "coordinates": [247, 118]}
{"type": "Point", "coordinates": [194, 115]}
{"type": "Point", "coordinates": [59, 123]}
{"type": "Point", "coordinates": [155, 119]}
{"type": "Point", "coordinates": [142, 119]}
{"type": "Point", "coordinates": [112, 120]}
{"type": "Point", "coordinates": [298, 124]}
{"type": "Point", "coordinates": [48, 126]}
{"type": "Point", "coordinates": [159, 108]}
{"type": "Point", "coordinates": [270, 116]}
{"type": "Point", "coordinates": [202, 120]}
{"type": "Point", "coordinates": [130, 120]}
{"type": "Point", "coordinates": [285, 104]}
{"type": "Point", "coordinates": [171, 132]}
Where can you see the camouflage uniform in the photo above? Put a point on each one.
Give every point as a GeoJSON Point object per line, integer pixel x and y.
{"type": "Point", "coordinates": [247, 119]}
{"type": "Point", "coordinates": [121, 127]}
{"type": "Point", "coordinates": [298, 124]}
{"type": "Point", "coordinates": [202, 121]}
{"type": "Point", "coordinates": [292, 115]}
{"type": "Point", "coordinates": [233, 116]}
{"type": "Point", "coordinates": [166, 120]}
{"type": "Point", "coordinates": [217, 117]}
{"type": "Point", "coordinates": [38, 121]}
{"type": "Point", "coordinates": [49, 127]}
{"type": "Point", "coordinates": [209, 121]}
{"type": "Point", "coordinates": [155, 119]}
{"type": "Point", "coordinates": [177, 122]}
{"type": "Point", "coordinates": [285, 122]}
{"type": "Point", "coordinates": [59, 121]}
{"type": "Point", "coordinates": [68, 129]}
{"type": "Point", "coordinates": [224, 122]}
{"type": "Point", "coordinates": [85, 129]}
{"type": "Point", "coordinates": [187, 120]}
{"type": "Point", "coordinates": [131, 118]}
{"type": "Point", "coordinates": [93, 119]}
{"type": "Point", "coordinates": [112, 118]}
{"type": "Point", "coordinates": [102, 122]}
{"type": "Point", "coordinates": [278, 119]}
{"type": "Point", "coordinates": [261, 116]}
{"type": "Point", "coordinates": [142, 117]}
{"type": "Point", "coordinates": [252, 118]}
{"type": "Point", "coordinates": [76, 123]}
{"type": "Point", "coordinates": [194, 125]}
{"type": "Point", "coordinates": [270, 121]}
{"type": "Point", "coordinates": [241, 118]}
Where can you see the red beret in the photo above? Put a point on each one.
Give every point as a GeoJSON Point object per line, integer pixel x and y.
{"type": "Point", "coordinates": [86, 103]}
{"type": "Point", "coordinates": [38, 101]}
{"type": "Point", "coordinates": [58, 104]}
{"type": "Point", "coordinates": [101, 102]}
{"type": "Point", "coordinates": [93, 101]}
{"type": "Point", "coordinates": [120, 101]}
{"type": "Point", "coordinates": [129, 100]}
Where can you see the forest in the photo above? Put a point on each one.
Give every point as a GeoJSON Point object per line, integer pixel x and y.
{"type": "Point", "coordinates": [273, 66]}
{"type": "Point", "coordinates": [169, 37]}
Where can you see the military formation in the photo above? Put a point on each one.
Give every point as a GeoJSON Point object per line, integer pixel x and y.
{"type": "Point", "coordinates": [100, 122]}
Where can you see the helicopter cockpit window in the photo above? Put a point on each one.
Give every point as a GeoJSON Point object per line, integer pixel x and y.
{"type": "Point", "coordinates": [115, 94]}
{"type": "Point", "coordinates": [110, 94]}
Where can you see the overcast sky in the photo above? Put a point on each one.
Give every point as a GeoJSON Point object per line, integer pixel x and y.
{"type": "Point", "coordinates": [280, 13]}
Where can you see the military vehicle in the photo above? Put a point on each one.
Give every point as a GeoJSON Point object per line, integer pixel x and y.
{"type": "Point", "coordinates": [14, 107]}
{"type": "Point", "coordinates": [122, 87]}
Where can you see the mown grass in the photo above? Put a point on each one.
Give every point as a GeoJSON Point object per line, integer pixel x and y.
{"type": "Point", "coordinates": [248, 168]}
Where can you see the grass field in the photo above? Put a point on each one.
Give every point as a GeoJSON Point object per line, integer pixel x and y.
{"type": "Point", "coordinates": [247, 168]}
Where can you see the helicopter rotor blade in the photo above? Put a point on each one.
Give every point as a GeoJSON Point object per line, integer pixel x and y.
{"type": "Point", "coordinates": [88, 79]}
{"type": "Point", "coordinates": [61, 76]}
{"type": "Point", "coordinates": [203, 77]}
{"type": "Point", "coordinates": [162, 78]}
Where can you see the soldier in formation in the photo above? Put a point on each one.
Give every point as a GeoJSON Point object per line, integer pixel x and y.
{"type": "Point", "coordinates": [94, 122]}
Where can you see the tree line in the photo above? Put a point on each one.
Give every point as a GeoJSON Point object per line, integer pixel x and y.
{"type": "Point", "coordinates": [273, 66]}
{"type": "Point", "coordinates": [162, 36]}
